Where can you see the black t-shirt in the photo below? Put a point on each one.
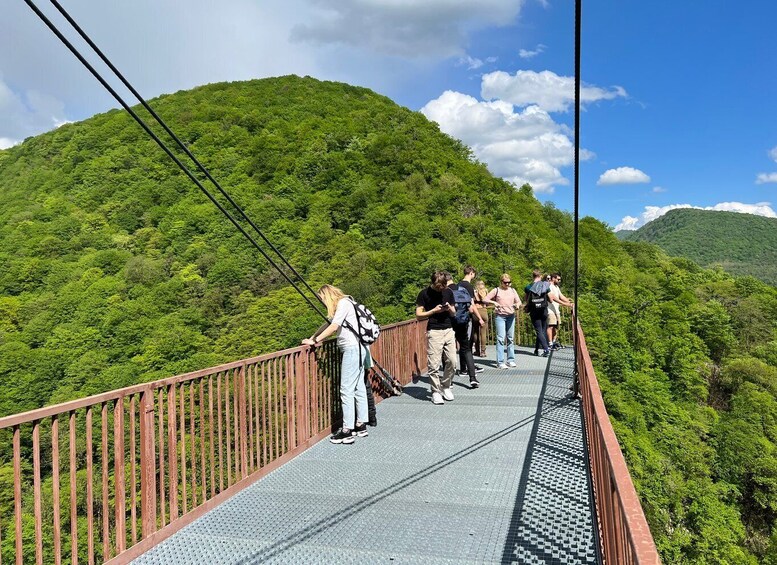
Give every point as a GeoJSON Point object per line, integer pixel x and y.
{"type": "Point", "coordinates": [429, 298]}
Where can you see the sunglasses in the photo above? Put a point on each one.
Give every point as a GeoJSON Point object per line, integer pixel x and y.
{"type": "Point", "coordinates": [507, 282]}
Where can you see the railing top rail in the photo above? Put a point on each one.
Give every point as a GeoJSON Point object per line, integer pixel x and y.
{"type": "Point", "coordinates": [64, 407]}
{"type": "Point", "coordinates": [638, 529]}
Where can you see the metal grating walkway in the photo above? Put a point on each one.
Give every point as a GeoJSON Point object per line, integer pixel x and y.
{"type": "Point", "coordinates": [496, 476]}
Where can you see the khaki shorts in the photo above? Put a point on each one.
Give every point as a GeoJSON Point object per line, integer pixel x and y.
{"type": "Point", "coordinates": [553, 320]}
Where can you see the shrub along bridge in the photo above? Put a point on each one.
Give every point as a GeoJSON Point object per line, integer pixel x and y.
{"type": "Point", "coordinates": [110, 477]}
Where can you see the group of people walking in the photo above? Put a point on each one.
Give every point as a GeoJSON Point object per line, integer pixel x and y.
{"type": "Point", "coordinates": [457, 321]}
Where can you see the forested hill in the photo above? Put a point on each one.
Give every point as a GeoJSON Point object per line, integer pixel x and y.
{"type": "Point", "coordinates": [742, 244]}
{"type": "Point", "coordinates": [116, 269]}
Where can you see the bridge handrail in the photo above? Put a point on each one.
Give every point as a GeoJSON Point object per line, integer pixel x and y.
{"type": "Point", "coordinates": [624, 533]}
{"type": "Point", "coordinates": [195, 439]}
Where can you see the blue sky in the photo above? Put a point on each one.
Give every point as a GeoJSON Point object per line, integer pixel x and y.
{"type": "Point", "coordinates": [681, 97]}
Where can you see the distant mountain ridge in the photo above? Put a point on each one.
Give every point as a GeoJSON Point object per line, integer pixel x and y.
{"type": "Point", "coordinates": [741, 244]}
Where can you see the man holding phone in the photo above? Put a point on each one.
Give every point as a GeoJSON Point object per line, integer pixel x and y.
{"type": "Point", "coordinates": [435, 304]}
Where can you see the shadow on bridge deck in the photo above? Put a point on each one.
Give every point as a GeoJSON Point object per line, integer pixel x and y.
{"type": "Point", "coordinates": [496, 476]}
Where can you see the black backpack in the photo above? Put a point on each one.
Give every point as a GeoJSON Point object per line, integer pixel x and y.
{"type": "Point", "coordinates": [538, 303]}
{"type": "Point", "coordinates": [463, 301]}
{"type": "Point", "coordinates": [368, 328]}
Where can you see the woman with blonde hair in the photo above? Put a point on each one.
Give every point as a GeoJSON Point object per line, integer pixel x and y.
{"type": "Point", "coordinates": [341, 310]}
{"type": "Point", "coordinates": [506, 301]}
{"type": "Point", "coordinates": [479, 343]}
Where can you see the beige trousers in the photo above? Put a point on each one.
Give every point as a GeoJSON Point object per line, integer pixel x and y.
{"type": "Point", "coordinates": [441, 346]}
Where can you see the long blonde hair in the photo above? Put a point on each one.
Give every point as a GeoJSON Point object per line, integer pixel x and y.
{"type": "Point", "coordinates": [330, 296]}
{"type": "Point", "coordinates": [481, 290]}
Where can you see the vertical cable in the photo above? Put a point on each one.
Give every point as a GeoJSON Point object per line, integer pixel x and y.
{"type": "Point", "coordinates": [578, 17]}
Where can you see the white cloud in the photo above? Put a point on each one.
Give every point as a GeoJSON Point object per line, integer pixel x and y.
{"type": "Point", "coordinates": [404, 27]}
{"type": "Point", "coordinates": [764, 178]}
{"type": "Point", "coordinates": [546, 89]}
{"type": "Point", "coordinates": [520, 146]}
{"type": "Point", "coordinates": [623, 175]}
{"type": "Point", "coordinates": [653, 212]}
{"type": "Point", "coordinates": [6, 142]}
{"type": "Point", "coordinates": [773, 153]}
{"type": "Point", "coordinates": [470, 62]}
{"type": "Point", "coordinates": [27, 113]}
{"type": "Point", "coordinates": [659, 189]}
{"type": "Point", "coordinates": [528, 54]}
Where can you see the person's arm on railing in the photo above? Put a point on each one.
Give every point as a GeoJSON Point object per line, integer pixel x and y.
{"type": "Point", "coordinates": [321, 334]}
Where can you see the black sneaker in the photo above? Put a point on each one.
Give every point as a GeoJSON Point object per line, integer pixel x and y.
{"type": "Point", "coordinates": [479, 369]}
{"type": "Point", "coordinates": [474, 383]}
{"type": "Point", "coordinates": [545, 353]}
{"type": "Point", "coordinates": [342, 436]}
{"type": "Point", "coordinates": [373, 422]}
{"type": "Point", "coordinates": [536, 352]}
{"type": "Point", "coordinates": [361, 430]}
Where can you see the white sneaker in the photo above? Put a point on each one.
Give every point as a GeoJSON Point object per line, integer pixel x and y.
{"type": "Point", "coordinates": [447, 394]}
{"type": "Point", "coordinates": [437, 398]}
{"type": "Point", "coordinates": [501, 366]}
{"type": "Point", "coordinates": [511, 363]}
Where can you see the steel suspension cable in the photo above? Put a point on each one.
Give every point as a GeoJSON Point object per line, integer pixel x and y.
{"type": "Point", "coordinates": [167, 150]}
{"type": "Point", "coordinates": [578, 25]}
{"type": "Point", "coordinates": [175, 138]}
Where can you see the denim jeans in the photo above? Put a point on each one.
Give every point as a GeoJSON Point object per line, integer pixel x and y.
{"type": "Point", "coordinates": [352, 386]}
{"type": "Point", "coordinates": [505, 334]}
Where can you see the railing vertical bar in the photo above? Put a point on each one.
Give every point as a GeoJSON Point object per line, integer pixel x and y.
{"type": "Point", "coordinates": [240, 406]}
{"type": "Point", "coordinates": [133, 408]}
{"type": "Point", "coordinates": [291, 420]}
{"type": "Point", "coordinates": [104, 467]}
{"type": "Point", "coordinates": [38, 506]}
{"type": "Point", "coordinates": [259, 416]}
{"type": "Point", "coordinates": [55, 500]}
{"type": "Point", "coordinates": [182, 441]}
{"type": "Point", "coordinates": [172, 449]}
{"type": "Point", "coordinates": [221, 449]}
{"type": "Point", "coordinates": [90, 485]}
{"type": "Point", "coordinates": [249, 388]}
{"type": "Point", "coordinates": [212, 445]}
{"type": "Point", "coordinates": [147, 463]}
{"type": "Point", "coordinates": [268, 394]}
{"type": "Point", "coordinates": [227, 427]}
{"type": "Point", "coordinates": [192, 437]}
{"type": "Point", "coordinates": [162, 467]}
{"type": "Point", "coordinates": [118, 479]}
{"type": "Point", "coordinates": [203, 474]}
{"type": "Point", "coordinates": [73, 491]}
{"type": "Point", "coordinates": [17, 493]}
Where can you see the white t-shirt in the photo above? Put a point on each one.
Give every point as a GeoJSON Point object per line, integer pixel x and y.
{"type": "Point", "coordinates": [345, 312]}
{"type": "Point", "coordinates": [555, 293]}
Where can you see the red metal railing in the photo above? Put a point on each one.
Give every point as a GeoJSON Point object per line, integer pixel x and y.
{"type": "Point", "coordinates": [106, 477]}
{"type": "Point", "coordinates": [623, 530]}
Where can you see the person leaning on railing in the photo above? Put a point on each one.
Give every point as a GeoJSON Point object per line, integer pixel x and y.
{"type": "Point", "coordinates": [342, 311]}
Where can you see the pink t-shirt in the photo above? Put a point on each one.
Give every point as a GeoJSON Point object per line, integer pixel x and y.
{"type": "Point", "coordinates": [507, 300]}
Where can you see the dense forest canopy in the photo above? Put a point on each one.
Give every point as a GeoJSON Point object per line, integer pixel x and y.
{"type": "Point", "coordinates": [116, 270]}
{"type": "Point", "coordinates": [741, 244]}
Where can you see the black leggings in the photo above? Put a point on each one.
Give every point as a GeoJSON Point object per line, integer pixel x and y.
{"type": "Point", "coordinates": [540, 324]}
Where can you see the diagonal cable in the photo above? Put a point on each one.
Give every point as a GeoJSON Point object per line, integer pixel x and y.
{"type": "Point", "coordinates": [175, 138]}
{"type": "Point", "coordinates": [170, 154]}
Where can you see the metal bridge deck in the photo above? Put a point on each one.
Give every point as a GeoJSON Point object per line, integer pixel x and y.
{"type": "Point", "coordinates": [496, 476]}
